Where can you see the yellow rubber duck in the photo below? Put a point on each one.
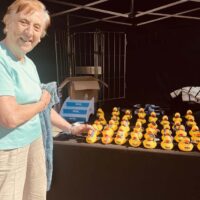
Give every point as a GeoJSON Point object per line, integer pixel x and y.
{"type": "Point", "coordinates": [188, 114]}
{"type": "Point", "coordinates": [136, 132]}
{"type": "Point", "coordinates": [196, 137]}
{"type": "Point", "coordinates": [198, 146]}
{"type": "Point", "coordinates": [107, 131]}
{"type": "Point", "coordinates": [150, 142]}
{"type": "Point", "coordinates": [152, 127]}
{"type": "Point", "coordinates": [185, 144]}
{"type": "Point", "coordinates": [102, 120]}
{"type": "Point", "coordinates": [179, 138]}
{"type": "Point", "coordinates": [176, 125]}
{"type": "Point", "coordinates": [152, 117]}
{"type": "Point", "coordinates": [124, 127]}
{"type": "Point", "coordinates": [167, 143]}
{"type": "Point", "coordinates": [92, 136]}
{"type": "Point", "coordinates": [106, 139]}
{"type": "Point", "coordinates": [125, 123]}
{"type": "Point", "coordinates": [128, 114]}
{"type": "Point", "coordinates": [194, 129]}
{"type": "Point", "coordinates": [115, 111]}
{"type": "Point", "coordinates": [191, 121]}
{"type": "Point", "coordinates": [165, 120]}
{"type": "Point", "coordinates": [116, 119]}
{"type": "Point", "coordinates": [141, 119]}
{"type": "Point", "coordinates": [141, 113]}
{"type": "Point", "coordinates": [126, 117]}
{"type": "Point", "coordinates": [166, 128]}
{"type": "Point", "coordinates": [113, 125]}
{"type": "Point", "coordinates": [180, 134]}
{"type": "Point", "coordinates": [100, 112]}
{"type": "Point", "coordinates": [138, 127]}
{"type": "Point", "coordinates": [122, 131]}
{"type": "Point", "coordinates": [181, 129]}
{"type": "Point", "coordinates": [177, 117]}
{"type": "Point", "coordinates": [166, 133]}
{"type": "Point", "coordinates": [120, 138]}
{"type": "Point", "coordinates": [97, 125]}
{"type": "Point", "coordinates": [135, 140]}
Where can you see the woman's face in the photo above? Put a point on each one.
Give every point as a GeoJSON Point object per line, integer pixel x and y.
{"type": "Point", "coordinates": [24, 31]}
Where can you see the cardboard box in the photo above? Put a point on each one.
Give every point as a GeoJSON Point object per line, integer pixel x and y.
{"type": "Point", "coordinates": [82, 87]}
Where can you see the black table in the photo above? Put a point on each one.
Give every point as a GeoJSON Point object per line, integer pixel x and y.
{"type": "Point", "coordinates": [110, 172]}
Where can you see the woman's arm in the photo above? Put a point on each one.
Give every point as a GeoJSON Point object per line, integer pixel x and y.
{"type": "Point", "coordinates": [60, 122]}
{"type": "Point", "coordinates": [13, 114]}
{"type": "Point", "coordinates": [64, 125]}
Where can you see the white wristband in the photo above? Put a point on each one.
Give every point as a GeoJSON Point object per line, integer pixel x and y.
{"type": "Point", "coordinates": [70, 129]}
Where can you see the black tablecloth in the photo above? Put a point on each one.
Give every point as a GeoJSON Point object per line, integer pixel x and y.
{"type": "Point", "coordinates": [110, 172]}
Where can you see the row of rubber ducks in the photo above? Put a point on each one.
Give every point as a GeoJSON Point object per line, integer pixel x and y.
{"type": "Point", "coordinates": [184, 142]}
{"type": "Point", "coordinates": [150, 140]}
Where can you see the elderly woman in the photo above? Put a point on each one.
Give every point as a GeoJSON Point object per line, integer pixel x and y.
{"type": "Point", "coordinates": [22, 162]}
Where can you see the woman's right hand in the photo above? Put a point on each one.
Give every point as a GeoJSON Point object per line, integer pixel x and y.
{"type": "Point", "coordinates": [45, 98]}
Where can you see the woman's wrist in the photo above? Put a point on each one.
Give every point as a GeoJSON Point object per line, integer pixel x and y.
{"type": "Point", "coordinates": [69, 129]}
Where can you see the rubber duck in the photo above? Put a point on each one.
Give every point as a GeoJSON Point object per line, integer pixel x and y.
{"type": "Point", "coordinates": [152, 117]}
{"type": "Point", "coordinates": [122, 130]}
{"type": "Point", "coordinates": [120, 138]}
{"type": "Point", "coordinates": [196, 137]}
{"type": "Point", "coordinates": [135, 140]}
{"type": "Point", "coordinates": [193, 130]}
{"type": "Point", "coordinates": [115, 119]}
{"type": "Point", "coordinates": [165, 120]}
{"type": "Point", "coordinates": [92, 136]}
{"type": "Point", "coordinates": [102, 120]}
{"type": "Point", "coordinates": [166, 128]}
{"type": "Point", "coordinates": [108, 131]}
{"type": "Point", "coordinates": [126, 118]}
{"type": "Point", "coordinates": [137, 132]}
{"type": "Point", "coordinates": [125, 126]}
{"type": "Point", "coordinates": [167, 143]}
{"type": "Point", "coordinates": [198, 146]}
{"type": "Point", "coordinates": [97, 125]}
{"type": "Point", "coordinates": [179, 138]}
{"type": "Point", "coordinates": [150, 142]}
{"type": "Point", "coordinates": [141, 113]}
{"type": "Point", "coordinates": [106, 139]}
{"type": "Point", "coordinates": [191, 121]}
{"type": "Point", "coordinates": [181, 130]}
{"type": "Point", "coordinates": [152, 127]}
{"type": "Point", "coordinates": [185, 144]}
{"type": "Point", "coordinates": [115, 111]}
{"type": "Point", "coordinates": [113, 125]}
{"type": "Point", "coordinates": [166, 133]}
{"type": "Point", "coordinates": [177, 117]}
{"type": "Point", "coordinates": [100, 112]}
{"type": "Point", "coordinates": [138, 127]}
{"type": "Point", "coordinates": [176, 125]}
{"type": "Point", "coordinates": [128, 114]}
{"type": "Point", "coordinates": [180, 134]}
{"type": "Point", "coordinates": [188, 113]}
{"type": "Point", "coordinates": [141, 119]}
{"type": "Point", "coordinates": [125, 123]}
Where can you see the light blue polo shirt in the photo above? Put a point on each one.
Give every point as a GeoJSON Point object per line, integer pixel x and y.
{"type": "Point", "coordinates": [22, 81]}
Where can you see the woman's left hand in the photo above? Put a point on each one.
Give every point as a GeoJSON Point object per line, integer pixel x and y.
{"type": "Point", "coordinates": [79, 129]}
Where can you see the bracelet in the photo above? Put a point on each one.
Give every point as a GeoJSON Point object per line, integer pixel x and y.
{"type": "Point", "coordinates": [69, 131]}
